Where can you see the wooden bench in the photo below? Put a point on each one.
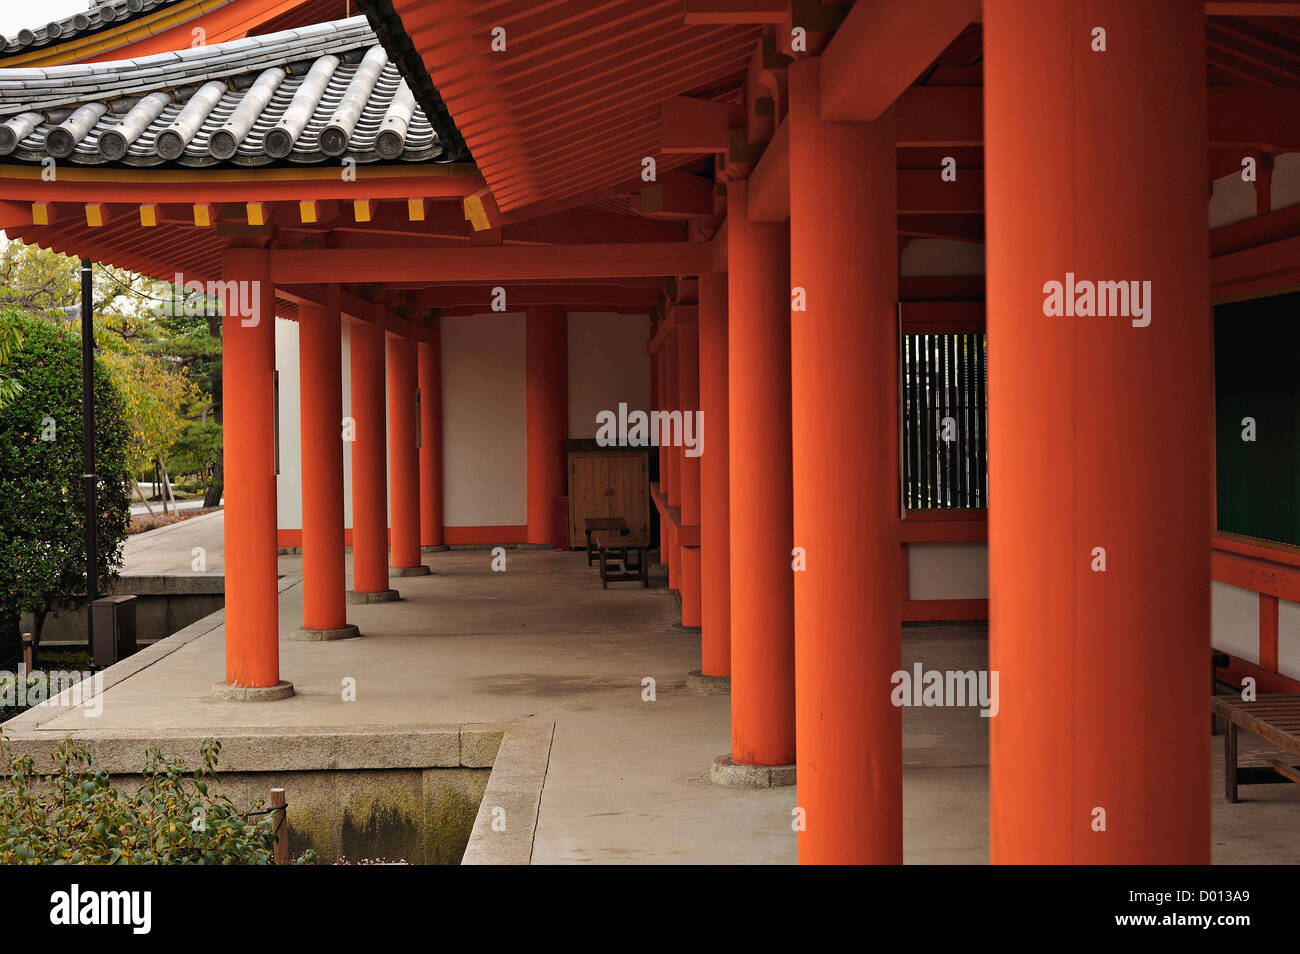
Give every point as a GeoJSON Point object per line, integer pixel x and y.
{"type": "Point", "coordinates": [621, 563]}
{"type": "Point", "coordinates": [1276, 720]}
{"type": "Point", "coordinates": [621, 560]}
{"type": "Point", "coordinates": [606, 525]}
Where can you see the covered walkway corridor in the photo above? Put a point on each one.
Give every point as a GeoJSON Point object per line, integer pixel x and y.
{"type": "Point", "coordinates": [938, 279]}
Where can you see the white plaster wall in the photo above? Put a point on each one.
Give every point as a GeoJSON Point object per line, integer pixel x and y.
{"type": "Point", "coordinates": [1286, 181]}
{"type": "Point", "coordinates": [948, 571]}
{"type": "Point", "coordinates": [288, 486]}
{"type": "Point", "coordinates": [939, 257]}
{"type": "Point", "coordinates": [1234, 620]}
{"type": "Point", "coordinates": [484, 421]}
{"type": "Point", "coordinates": [1232, 200]}
{"type": "Point", "coordinates": [608, 363]}
{"type": "Point", "coordinates": [1288, 638]}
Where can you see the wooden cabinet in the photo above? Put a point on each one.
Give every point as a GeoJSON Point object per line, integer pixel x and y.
{"type": "Point", "coordinates": [612, 482]}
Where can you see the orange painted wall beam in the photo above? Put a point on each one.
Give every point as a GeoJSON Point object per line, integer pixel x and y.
{"type": "Point", "coordinates": [693, 126]}
{"type": "Point", "coordinates": [715, 492]}
{"type": "Point", "coordinates": [688, 476]}
{"type": "Point", "coordinates": [1132, 786]}
{"type": "Point", "coordinates": [221, 185]}
{"type": "Point", "coordinates": [762, 591]}
{"type": "Point", "coordinates": [769, 183]}
{"type": "Point", "coordinates": [501, 263]}
{"type": "Point", "coordinates": [713, 12]}
{"type": "Point", "coordinates": [897, 43]}
{"type": "Point", "coordinates": [1239, 117]}
{"type": "Point", "coordinates": [369, 461]}
{"type": "Point", "coordinates": [403, 455]}
{"type": "Point", "coordinates": [547, 386]}
{"type": "Point", "coordinates": [430, 371]}
{"type": "Point", "coordinates": [248, 395]}
{"type": "Point", "coordinates": [323, 565]}
{"type": "Point", "coordinates": [844, 354]}
{"type": "Point", "coordinates": [672, 476]}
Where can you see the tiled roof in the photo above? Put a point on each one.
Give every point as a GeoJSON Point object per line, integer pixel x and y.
{"type": "Point", "coordinates": [100, 14]}
{"type": "Point", "coordinates": [309, 95]}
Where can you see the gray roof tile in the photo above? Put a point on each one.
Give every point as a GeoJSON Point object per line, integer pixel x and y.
{"type": "Point", "coordinates": [100, 14]}
{"type": "Point", "coordinates": [57, 93]}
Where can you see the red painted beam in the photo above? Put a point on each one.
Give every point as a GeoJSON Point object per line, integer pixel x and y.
{"type": "Point", "coordinates": [677, 195]}
{"type": "Point", "coordinates": [881, 48]}
{"type": "Point", "coordinates": [219, 186]}
{"type": "Point", "coordinates": [702, 12]}
{"type": "Point", "coordinates": [923, 191]}
{"type": "Point", "coordinates": [490, 263]}
{"type": "Point", "coordinates": [1268, 117]}
{"type": "Point", "coordinates": [1239, 117]}
{"type": "Point", "coordinates": [940, 116]}
{"type": "Point", "coordinates": [690, 125]}
{"type": "Point", "coordinates": [1252, 8]}
{"type": "Point", "coordinates": [769, 183]}
{"type": "Point", "coordinates": [955, 227]}
{"type": "Point", "coordinates": [579, 297]}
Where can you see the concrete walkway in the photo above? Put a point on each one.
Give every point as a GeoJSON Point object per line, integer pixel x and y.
{"type": "Point", "coordinates": [543, 641]}
{"type": "Point", "coordinates": [169, 550]}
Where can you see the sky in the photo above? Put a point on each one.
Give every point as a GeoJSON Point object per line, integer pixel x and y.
{"type": "Point", "coordinates": [16, 14]}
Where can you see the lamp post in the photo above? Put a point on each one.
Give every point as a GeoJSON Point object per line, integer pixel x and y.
{"type": "Point", "coordinates": [89, 478]}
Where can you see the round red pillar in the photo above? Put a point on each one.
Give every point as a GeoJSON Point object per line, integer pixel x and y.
{"type": "Point", "coordinates": [430, 371]}
{"type": "Point", "coordinates": [547, 347]}
{"type": "Point", "coordinates": [403, 459]}
{"type": "Point", "coordinates": [248, 396]}
{"type": "Point", "coordinates": [715, 530]}
{"type": "Point", "coordinates": [843, 355]}
{"type": "Point", "coordinates": [1100, 432]}
{"type": "Point", "coordinates": [320, 355]}
{"type": "Point", "coordinates": [672, 402]}
{"type": "Point", "coordinates": [762, 591]}
{"type": "Point", "coordinates": [688, 401]}
{"type": "Point", "coordinates": [369, 466]}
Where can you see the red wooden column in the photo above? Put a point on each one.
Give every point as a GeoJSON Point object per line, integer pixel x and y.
{"type": "Point", "coordinates": [762, 589]}
{"type": "Point", "coordinates": [430, 372]}
{"type": "Point", "coordinates": [324, 562]}
{"type": "Point", "coordinates": [688, 467]}
{"type": "Point", "coordinates": [403, 459]}
{"type": "Point", "coordinates": [248, 394]}
{"type": "Point", "coordinates": [715, 529]}
{"type": "Point", "coordinates": [1100, 433]}
{"type": "Point", "coordinates": [670, 476]}
{"type": "Point", "coordinates": [369, 466]}
{"type": "Point", "coordinates": [843, 355]}
{"type": "Point", "coordinates": [547, 358]}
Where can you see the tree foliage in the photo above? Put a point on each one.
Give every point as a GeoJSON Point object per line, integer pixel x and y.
{"type": "Point", "coordinates": [11, 339]}
{"type": "Point", "coordinates": [165, 359]}
{"type": "Point", "coordinates": [73, 815]}
{"type": "Point", "coordinates": [43, 517]}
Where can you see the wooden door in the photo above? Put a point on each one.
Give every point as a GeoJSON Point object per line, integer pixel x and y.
{"type": "Point", "coordinates": [609, 484]}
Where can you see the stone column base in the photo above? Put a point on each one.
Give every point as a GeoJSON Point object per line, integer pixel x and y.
{"type": "Point", "coordinates": [224, 692]}
{"type": "Point", "coordinates": [408, 570]}
{"type": "Point", "coordinates": [304, 635]}
{"type": "Point", "coordinates": [695, 679]}
{"type": "Point", "coordinates": [725, 772]}
{"type": "Point", "coordinates": [382, 596]}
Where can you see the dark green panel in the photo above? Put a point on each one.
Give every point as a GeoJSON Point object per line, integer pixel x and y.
{"type": "Point", "coordinates": [1256, 348]}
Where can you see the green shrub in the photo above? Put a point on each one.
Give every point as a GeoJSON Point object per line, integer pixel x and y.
{"type": "Point", "coordinates": [74, 816]}
{"type": "Point", "coordinates": [43, 517]}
